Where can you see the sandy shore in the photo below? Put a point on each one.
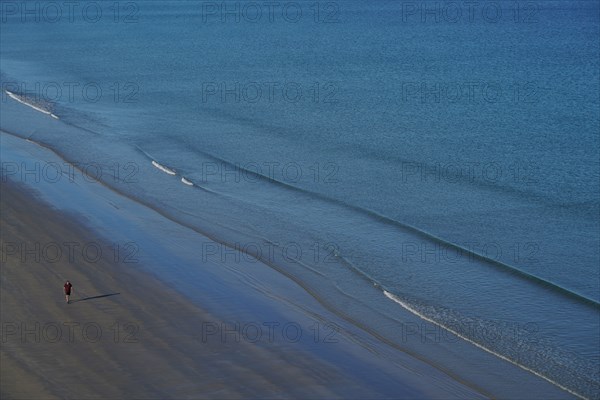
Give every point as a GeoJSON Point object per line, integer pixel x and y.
{"type": "Point", "coordinates": [120, 337]}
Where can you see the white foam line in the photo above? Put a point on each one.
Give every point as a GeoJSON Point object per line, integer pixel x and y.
{"type": "Point", "coordinates": [187, 182]}
{"type": "Point", "coordinates": [163, 169]}
{"type": "Point", "coordinates": [412, 310]}
{"type": "Point", "coordinates": [15, 97]}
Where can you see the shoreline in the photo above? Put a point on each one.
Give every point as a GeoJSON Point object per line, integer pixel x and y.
{"type": "Point", "coordinates": [127, 328]}
{"type": "Point", "coordinates": [227, 307]}
{"type": "Point", "coordinates": [122, 326]}
{"type": "Point", "coordinates": [127, 334]}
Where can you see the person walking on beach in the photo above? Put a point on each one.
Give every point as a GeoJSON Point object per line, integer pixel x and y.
{"type": "Point", "coordinates": [68, 288]}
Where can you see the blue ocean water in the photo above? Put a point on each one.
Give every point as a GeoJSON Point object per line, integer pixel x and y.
{"type": "Point", "coordinates": [447, 154]}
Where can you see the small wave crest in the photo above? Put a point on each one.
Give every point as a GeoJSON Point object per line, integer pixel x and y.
{"type": "Point", "coordinates": [421, 315]}
{"type": "Point", "coordinates": [21, 100]}
{"type": "Point", "coordinates": [164, 169]}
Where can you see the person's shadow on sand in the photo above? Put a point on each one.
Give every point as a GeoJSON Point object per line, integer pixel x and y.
{"type": "Point", "coordinates": [94, 297]}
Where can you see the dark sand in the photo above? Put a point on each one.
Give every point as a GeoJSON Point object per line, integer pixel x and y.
{"type": "Point", "coordinates": [148, 354]}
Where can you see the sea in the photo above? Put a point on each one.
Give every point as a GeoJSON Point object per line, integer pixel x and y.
{"type": "Point", "coordinates": [445, 153]}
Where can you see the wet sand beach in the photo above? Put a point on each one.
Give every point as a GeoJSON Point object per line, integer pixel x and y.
{"type": "Point", "coordinates": [121, 336]}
